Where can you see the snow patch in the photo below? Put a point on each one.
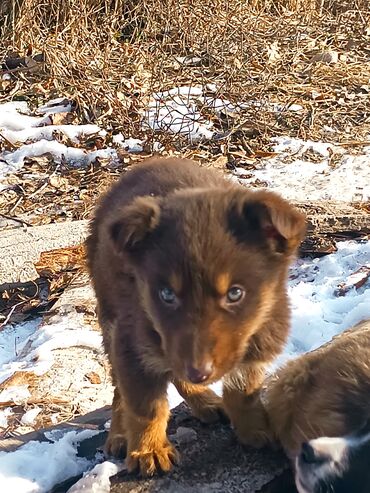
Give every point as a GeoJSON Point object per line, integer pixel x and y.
{"type": "Point", "coordinates": [58, 105]}
{"type": "Point", "coordinates": [15, 393]}
{"type": "Point", "coordinates": [303, 179]}
{"type": "Point", "coordinates": [60, 332]}
{"type": "Point", "coordinates": [39, 137]}
{"type": "Point", "coordinates": [4, 415]}
{"type": "Point", "coordinates": [318, 313]}
{"type": "Point", "coordinates": [29, 417]}
{"type": "Point", "coordinates": [37, 466]}
{"type": "Point", "coordinates": [13, 161]}
{"type": "Point", "coordinates": [175, 111]}
{"type": "Point", "coordinates": [130, 145]}
{"type": "Point", "coordinates": [72, 132]}
{"type": "Point", "coordinates": [97, 480]}
{"type": "Point", "coordinates": [15, 116]}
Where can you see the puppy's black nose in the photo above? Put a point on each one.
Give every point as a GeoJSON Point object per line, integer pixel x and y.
{"type": "Point", "coordinates": [311, 456]}
{"type": "Point", "coordinates": [199, 375]}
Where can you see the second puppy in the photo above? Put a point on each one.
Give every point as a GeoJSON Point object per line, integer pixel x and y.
{"type": "Point", "coordinates": [325, 393]}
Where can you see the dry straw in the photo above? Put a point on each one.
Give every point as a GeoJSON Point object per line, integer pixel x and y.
{"type": "Point", "coordinates": [111, 55]}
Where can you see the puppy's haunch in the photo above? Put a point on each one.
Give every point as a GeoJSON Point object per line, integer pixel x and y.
{"type": "Point", "coordinates": [190, 275]}
{"type": "Point", "coordinates": [322, 393]}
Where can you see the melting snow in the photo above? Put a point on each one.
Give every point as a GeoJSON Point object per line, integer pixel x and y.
{"type": "Point", "coordinates": [178, 111]}
{"type": "Point", "coordinates": [29, 417]}
{"type": "Point", "coordinates": [61, 332]}
{"type": "Point", "coordinates": [4, 414]}
{"type": "Point", "coordinates": [97, 480]}
{"type": "Point", "coordinates": [37, 466]}
{"type": "Point", "coordinates": [296, 177]}
{"type": "Point", "coordinates": [39, 137]}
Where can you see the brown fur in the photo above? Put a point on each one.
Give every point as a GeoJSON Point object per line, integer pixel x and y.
{"type": "Point", "coordinates": [169, 223]}
{"type": "Point", "coordinates": [322, 393]}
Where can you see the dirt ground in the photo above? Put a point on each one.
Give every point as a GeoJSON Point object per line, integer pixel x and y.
{"type": "Point", "coordinates": [211, 461]}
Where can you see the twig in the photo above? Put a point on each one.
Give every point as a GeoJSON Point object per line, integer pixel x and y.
{"type": "Point", "coordinates": [10, 144]}
{"type": "Point", "coordinates": [11, 313]}
{"type": "Point", "coordinates": [15, 219]}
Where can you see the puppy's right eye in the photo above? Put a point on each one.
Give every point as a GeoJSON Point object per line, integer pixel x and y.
{"type": "Point", "coordinates": [168, 295]}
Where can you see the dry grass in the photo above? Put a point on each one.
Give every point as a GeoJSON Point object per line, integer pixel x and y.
{"type": "Point", "coordinates": [110, 55]}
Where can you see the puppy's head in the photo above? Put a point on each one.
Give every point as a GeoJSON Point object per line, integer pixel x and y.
{"type": "Point", "coordinates": [335, 465]}
{"type": "Point", "coordinates": [209, 266]}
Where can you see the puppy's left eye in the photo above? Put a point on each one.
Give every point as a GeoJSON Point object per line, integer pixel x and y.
{"type": "Point", "coordinates": [235, 294]}
{"type": "Point", "coordinates": [168, 295]}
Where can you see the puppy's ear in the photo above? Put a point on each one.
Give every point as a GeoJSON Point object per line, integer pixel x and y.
{"type": "Point", "coordinates": [264, 217]}
{"type": "Point", "coordinates": [134, 223]}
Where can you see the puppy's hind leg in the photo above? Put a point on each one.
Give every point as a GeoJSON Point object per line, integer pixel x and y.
{"type": "Point", "coordinates": [242, 401]}
{"type": "Point", "coordinates": [203, 402]}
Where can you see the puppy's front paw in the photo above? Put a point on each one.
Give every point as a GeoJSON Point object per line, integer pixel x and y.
{"type": "Point", "coordinates": [115, 445]}
{"type": "Point", "coordinates": [149, 460]}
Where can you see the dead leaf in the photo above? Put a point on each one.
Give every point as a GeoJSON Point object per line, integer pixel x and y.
{"type": "Point", "coordinates": [64, 118]}
{"type": "Point", "coordinates": [355, 281]}
{"type": "Point", "coordinates": [62, 259]}
{"type": "Point", "coordinates": [238, 64]}
{"type": "Point", "coordinates": [59, 182]}
{"type": "Point", "coordinates": [220, 162]}
{"type": "Point", "coordinates": [264, 154]}
{"type": "Point", "coordinates": [326, 57]}
{"type": "Point", "coordinates": [19, 378]}
{"type": "Point", "coordinates": [273, 53]}
{"type": "Point", "coordinates": [93, 377]}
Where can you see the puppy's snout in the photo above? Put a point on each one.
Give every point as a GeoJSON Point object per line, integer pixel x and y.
{"type": "Point", "coordinates": [309, 455]}
{"type": "Point", "coordinates": [199, 375]}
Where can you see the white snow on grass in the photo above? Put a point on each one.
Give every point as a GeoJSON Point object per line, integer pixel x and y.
{"type": "Point", "coordinates": [297, 177]}
{"type": "Point", "coordinates": [14, 116]}
{"type": "Point", "coordinates": [178, 110]}
{"type": "Point", "coordinates": [4, 415]}
{"type": "Point", "coordinates": [130, 145]}
{"type": "Point", "coordinates": [58, 105]}
{"type": "Point", "coordinates": [36, 136]}
{"type": "Point", "coordinates": [37, 466]}
{"type": "Point", "coordinates": [29, 417]}
{"type": "Point", "coordinates": [72, 132]}
{"type": "Point", "coordinates": [318, 313]}
{"type": "Point", "coordinates": [15, 393]}
{"type": "Point", "coordinates": [14, 338]}
{"type": "Point", "coordinates": [14, 160]}
{"type": "Point", "coordinates": [36, 349]}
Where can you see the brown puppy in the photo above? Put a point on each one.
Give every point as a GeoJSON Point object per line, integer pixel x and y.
{"type": "Point", "coordinates": [322, 393]}
{"type": "Point", "coordinates": [190, 275]}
